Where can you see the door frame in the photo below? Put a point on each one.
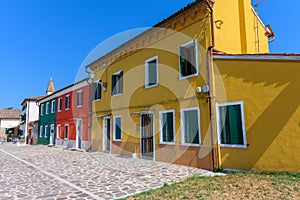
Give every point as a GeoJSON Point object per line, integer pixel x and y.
{"type": "Point", "coordinates": [153, 129]}
{"type": "Point", "coordinates": [52, 135]}
{"type": "Point", "coordinates": [104, 133]}
{"type": "Point", "coordinates": [77, 139]}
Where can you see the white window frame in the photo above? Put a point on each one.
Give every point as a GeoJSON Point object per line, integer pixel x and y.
{"type": "Point", "coordinates": [41, 131]}
{"type": "Point", "coordinates": [59, 104]}
{"type": "Point", "coordinates": [46, 131]}
{"type": "Point", "coordinates": [42, 109]}
{"type": "Point", "coordinates": [58, 131]}
{"type": "Point", "coordinates": [68, 131]}
{"type": "Point", "coordinates": [147, 72]}
{"type": "Point", "coordinates": [162, 125]}
{"type": "Point", "coordinates": [183, 142]}
{"type": "Point", "coordinates": [47, 108]}
{"type": "Point", "coordinates": [68, 96]}
{"type": "Point", "coordinates": [53, 106]}
{"type": "Point", "coordinates": [241, 103]}
{"type": "Point", "coordinates": [114, 74]}
{"type": "Point", "coordinates": [196, 59]}
{"type": "Point", "coordinates": [115, 124]}
{"type": "Point", "coordinates": [77, 100]}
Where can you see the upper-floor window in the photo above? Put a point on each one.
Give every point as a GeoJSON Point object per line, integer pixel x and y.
{"type": "Point", "coordinates": [53, 106]}
{"type": "Point", "coordinates": [42, 109]}
{"type": "Point", "coordinates": [96, 90]}
{"type": "Point", "coordinates": [151, 69]}
{"type": "Point", "coordinates": [59, 106]}
{"type": "Point", "coordinates": [231, 125]}
{"type": "Point", "coordinates": [67, 102]}
{"type": "Point", "coordinates": [47, 108]}
{"type": "Point", "coordinates": [117, 83]}
{"type": "Point", "coordinates": [188, 59]}
{"type": "Point", "coordinates": [79, 97]}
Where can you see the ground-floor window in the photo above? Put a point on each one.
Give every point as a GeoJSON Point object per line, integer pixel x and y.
{"type": "Point", "coordinates": [231, 125]}
{"type": "Point", "coordinates": [58, 130]}
{"type": "Point", "coordinates": [66, 132]}
{"type": "Point", "coordinates": [167, 126]}
{"type": "Point", "coordinates": [118, 128]}
{"type": "Point", "coordinates": [190, 124]}
{"type": "Point", "coordinates": [41, 131]}
{"type": "Point", "coordinates": [46, 131]}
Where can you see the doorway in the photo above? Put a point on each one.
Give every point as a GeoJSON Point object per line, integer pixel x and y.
{"type": "Point", "coordinates": [147, 136]}
{"type": "Point", "coordinates": [107, 134]}
{"type": "Point", "coordinates": [51, 142]}
{"type": "Point", "coordinates": [78, 133]}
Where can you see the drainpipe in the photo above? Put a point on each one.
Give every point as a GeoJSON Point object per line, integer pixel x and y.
{"type": "Point", "coordinates": [215, 160]}
{"type": "Point", "coordinates": [90, 82]}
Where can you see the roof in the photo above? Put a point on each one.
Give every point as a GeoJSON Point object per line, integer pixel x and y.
{"type": "Point", "coordinates": [35, 98]}
{"type": "Point", "coordinates": [262, 56]}
{"type": "Point", "coordinates": [54, 94]}
{"type": "Point", "coordinates": [8, 113]}
{"type": "Point", "coordinates": [160, 24]}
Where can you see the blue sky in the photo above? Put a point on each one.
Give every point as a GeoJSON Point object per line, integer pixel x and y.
{"type": "Point", "coordinates": [43, 38]}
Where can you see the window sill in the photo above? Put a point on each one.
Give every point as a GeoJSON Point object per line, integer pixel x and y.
{"type": "Point", "coordinates": [79, 106]}
{"type": "Point", "coordinates": [67, 109]}
{"type": "Point", "coordinates": [116, 95]}
{"type": "Point", "coordinates": [118, 140]}
{"type": "Point", "coordinates": [151, 86]}
{"type": "Point", "coordinates": [233, 146]}
{"type": "Point", "coordinates": [189, 76]}
{"type": "Point", "coordinates": [96, 100]}
{"type": "Point", "coordinates": [167, 143]}
{"type": "Point", "coordinates": [192, 145]}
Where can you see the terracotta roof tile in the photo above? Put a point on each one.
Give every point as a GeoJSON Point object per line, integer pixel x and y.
{"type": "Point", "coordinates": [8, 113]}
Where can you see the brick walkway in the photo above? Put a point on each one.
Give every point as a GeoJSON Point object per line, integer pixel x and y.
{"type": "Point", "coordinates": [40, 172]}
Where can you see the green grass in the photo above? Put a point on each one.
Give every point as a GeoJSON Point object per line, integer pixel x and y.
{"type": "Point", "coordinates": [264, 185]}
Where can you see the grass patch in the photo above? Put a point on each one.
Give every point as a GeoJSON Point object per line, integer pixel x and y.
{"type": "Point", "coordinates": [263, 185]}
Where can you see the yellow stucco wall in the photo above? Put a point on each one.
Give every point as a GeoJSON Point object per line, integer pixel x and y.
{"type": "Point", "coordinates": [235, 28]}
{"type": "Point", "coordinates": [270, 91]}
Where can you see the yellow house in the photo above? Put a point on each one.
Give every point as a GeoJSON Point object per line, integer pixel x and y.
{"type": "Point", "coordinates": [164, 96]}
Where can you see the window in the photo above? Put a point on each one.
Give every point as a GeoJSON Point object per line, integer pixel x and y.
{"type": "Point", "coordinates": [67, 102]}
{"type": "Point", "coordinates": [188, 59]}
{"type": "Point", "coordinates": [47, 108]}
{"type": "Point", "coordinates": [66, 133]}
{"type": "Point", "coordinates": [79, 98]}
{"type": "Point", "coordinates": [46, 131]}
{"type": "Point", "coordinates": [42, 109]}
{"type": "Point", "coordinates": [58, 131]}
{"type": "Point", "coordinates": [59, 107]}
{"type": "Point", "coordinates": [97, 90]}
{"type": "Point", "coordinates": [41, 131]}
{"type": "Point", "coordinates": [231, 125]}
{"type": "Point", "coordinates": [118, 128]}
{"type": "Point", "coordinates": [190, 120]}
{"type": "Point", "coordinates": [117, 83]}
{"type": "Point", "coordinates": [167, 127]}
{"type": "Point", "coordinates": [151, 69]}
{"type": "Point", "coordinates": [53, 106]}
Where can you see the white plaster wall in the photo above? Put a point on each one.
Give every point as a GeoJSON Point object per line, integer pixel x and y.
{"type": "Point", "coordinates": [33, 110]}
{"type": "Point", "coordinates": [9, 123]}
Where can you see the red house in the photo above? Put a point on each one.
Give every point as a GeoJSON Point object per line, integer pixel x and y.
{"type": "Point", "coordinates": [72, 116]}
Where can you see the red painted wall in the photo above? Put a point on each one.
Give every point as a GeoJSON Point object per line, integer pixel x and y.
{"type": "Point", "coordinates": [69, 116]}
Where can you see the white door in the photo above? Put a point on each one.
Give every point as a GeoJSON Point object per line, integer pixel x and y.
{"type": "Point", "coordinates": [106, 134]}
{"type": "Point", "coordinates": [78, 133]}
{"type": "Point", "coordinates": [52, 134]}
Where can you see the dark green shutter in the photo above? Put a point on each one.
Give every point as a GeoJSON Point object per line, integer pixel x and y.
{"type": "Point", "coordinates": [113, 84]}
{"type": "Point", "coordinates": [170, 132]}
{"type": "Point", "coordinates": [235, 123]}
{"type": "Point", "coordinates": [164, 121]}
{"type": "Point", "coordinates": [183, 70]}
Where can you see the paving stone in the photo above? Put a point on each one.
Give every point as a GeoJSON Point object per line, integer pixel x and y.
{"type": "Point", "coordinates": [53, 174]}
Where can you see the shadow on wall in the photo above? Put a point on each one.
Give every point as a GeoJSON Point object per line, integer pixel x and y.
{"type": "Point", "coordinates": [274, 121]}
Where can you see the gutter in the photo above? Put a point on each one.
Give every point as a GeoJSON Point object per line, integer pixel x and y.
{"type": "Point", "coordinates": [215, 153]}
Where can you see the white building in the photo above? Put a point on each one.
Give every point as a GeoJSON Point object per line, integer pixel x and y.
{"type": "Point", "coordinates": [9, 118]}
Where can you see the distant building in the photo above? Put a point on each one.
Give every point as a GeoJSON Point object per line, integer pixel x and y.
{"type": "Point", "coordinates": [9, 120]}
{"type": "Point", "coordinates": [30, 111]}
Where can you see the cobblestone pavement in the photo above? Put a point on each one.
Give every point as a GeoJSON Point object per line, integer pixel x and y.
{"type": "Point", "coordinates": [41, 172]}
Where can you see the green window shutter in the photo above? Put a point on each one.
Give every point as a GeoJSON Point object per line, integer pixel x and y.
{"type": "Point", "coordinates": [164, 121]}
{"type": "Point", "coordinates": [170, 131]}
{"type": "Point", "coordinates": [152, 71]}
{"type": "Point", "coordinates": [183, 70]}
{"type": "Point", "coordinates": [118, 129]}
{"type": "Point", "coordinates": [121, 82]}
{"type": "Point", "coordinates": [235, 124]}
{"type": "Point", "coordinates": [113, 84]}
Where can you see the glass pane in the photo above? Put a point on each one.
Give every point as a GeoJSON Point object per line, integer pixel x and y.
{"type": "Point", "coordinates": [191, 127]}
{"type": "Point", "coordinates": [152, 65]}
